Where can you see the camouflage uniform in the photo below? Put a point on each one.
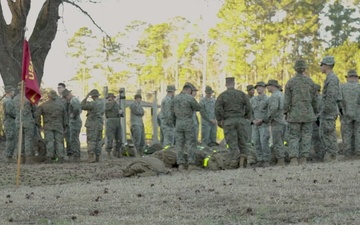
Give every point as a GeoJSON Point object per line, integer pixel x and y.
{"type": "Point", "coordinates": [331, 95]}
{"type": "Point", "coordinates": [54, 118]}
{"type": "Point", "coordinates": [113, 128]}
{"type": "Point", "coordinates": [208, 129]}
{"type": "Point", "coordinates": [300, 105]}
{"type": "Point", "coordinates": [9, 126]}
{"type": "Point", "coordinates": [260, 134]}
{"type": "Point", "coordinates": [168, 130]}
{"type": "Point", "coordinates": [182, 109]}
{"type": "Point", "coordinates": [233, 110]}
{"type": "Point", "coordinates": [350, 119]}
{"type": "Point", "coordinates": [94, 122]}
{"type": "Point", "coordinates": [137, 126]}
{"type": "Point", "coordinates": [67, 135]}
{"type": "Point", "coordinates": [275, 118]}
{"type": "Point", "coordinates": [316, 140]}
{"type": "Point", "coordinates": [75, 124]}
{"type": "Point", "coordinates": [28, 124]}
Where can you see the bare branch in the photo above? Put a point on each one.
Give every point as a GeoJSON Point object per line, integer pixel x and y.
{"type": "Point", "coordinates": [19, 11]}
{"type": "Point", "coordinates": [88, 15]}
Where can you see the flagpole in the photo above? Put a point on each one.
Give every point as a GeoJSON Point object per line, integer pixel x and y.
{"type": "Point", "coordinates": [20, 133]}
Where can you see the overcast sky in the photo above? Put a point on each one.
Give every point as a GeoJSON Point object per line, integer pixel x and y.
{"type": "Point", "coordinates": [112, 16]}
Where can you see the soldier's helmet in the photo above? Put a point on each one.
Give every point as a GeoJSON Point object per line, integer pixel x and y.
{"type": "Point", "coordinates": [300, 64]}
{"type": "Point", "coordinates": [352, 73]}
{"type": "Point", "coordinates": [65, 92]}
{"type": "Point", "coordinates": [111, 95]}
{"type": "Point", "coordinates": [328, 60]}
{"type": "Point", "coordinates": [94, 93]}
{"type": "Point", "coordinates": [52, 94]}
{"type": "Point", "coordinates": [208, 89]}
{"type": "Point", "coordinates": [171, 88]}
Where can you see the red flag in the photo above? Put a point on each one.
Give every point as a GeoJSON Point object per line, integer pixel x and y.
{"type": "Point", "coordinates": [32, 90]}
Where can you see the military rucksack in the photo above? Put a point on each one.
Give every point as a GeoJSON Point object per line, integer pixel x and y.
{"type": "Point", "coordinates": [146, 166]}
{"type": "Point", "coordinates": [153, 148]}
{"type": "Point", "coordinates": [167, 155]}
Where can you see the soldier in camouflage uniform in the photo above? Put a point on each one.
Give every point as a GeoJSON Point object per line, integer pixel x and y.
{"type": "Point", "coordinates": [300, 107]}
{"type": "Point", "coordinates": [182, 109]}
{"type": "Point", "coordinates": [94, 124]}
{"type": "Point", "coordinates": [331, 96]}
{"type": "Point", "coordinates": [61, 87]}
{"type": "Point", "coordinates": [168, 130]}
{"type": "Point", "coordinates": [275, 118]}
{"type": "Point", "coordinates": [137, 124]}
{"type": "Point", "coordinates": [194, 91]}
{"type": "Point", "coordinates": [250, 89]}
{"type": "Point", "coordinates": [233, 112]}
{"type": "Point", "coordinates": [53, 123]}
{"type": "Point", "coordinates": [113, 128]}
{"type": "Point", "coordinates": [9, 123]}
{"type": "Point", "coordinates": [28, 127]}
{"type": "Point", "coordinates": [75, 123]}
{"type": "Point", "coordinates": [350, 118]}
{"type": "Point", "coordinates": [260, 133]}
{"type": "Point", "coordinates": [208, 123]}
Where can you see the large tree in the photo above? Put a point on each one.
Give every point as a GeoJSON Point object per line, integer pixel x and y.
{"type": "Point", "coordinates": [12, 36]}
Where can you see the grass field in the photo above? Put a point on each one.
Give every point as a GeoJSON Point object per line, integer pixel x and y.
{"type": "Point", "coordinates": [98, 194]}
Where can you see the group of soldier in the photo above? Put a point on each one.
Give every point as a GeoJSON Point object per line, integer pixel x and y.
{"type": "Point", "coordinates": [59, 117]}
{"type": "Point", "coordinates": [255, 127]}
{"type": "Point", "coordinates": [258, 127]}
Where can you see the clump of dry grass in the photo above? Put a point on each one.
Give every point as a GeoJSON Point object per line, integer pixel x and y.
{"type": "Point", "coordinates": [87, 194]}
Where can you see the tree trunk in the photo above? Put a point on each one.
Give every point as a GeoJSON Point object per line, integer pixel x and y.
{"type": "Point", "coordinates": [12, 36]}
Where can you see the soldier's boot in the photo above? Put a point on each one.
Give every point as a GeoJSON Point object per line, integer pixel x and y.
{"type": "Point", "coordinates": [302, 161]}
{"type": "Point", "coordinates": [293, 162]}
{"type": "Point", "coordinates": [97, 159]}
{"type": "Point", "coordinates": [61, 160]}
{"type": "Point", "coordinates": [76, 159]}
{"type": "Point", "coordinates": [10, 160]}
{"type": "Point", "coordinates": [91, 158]}
{"type": "Point", "coordinates": [280, 162]}
{"type": "Point", "coordinates": [23, 159]}
{"type": "Point", "coordinates": [265, 164]}
{"type": "Point", "coordinates": [330, 158]}
{"type": "Point", "coordinates": [109, 156]}
{"type": "Point", "coordinates": [242, 162]}
{"type": "Point", "coordinates": [193, 167]}
{"type": "Point", "coordinates": [181, 168]}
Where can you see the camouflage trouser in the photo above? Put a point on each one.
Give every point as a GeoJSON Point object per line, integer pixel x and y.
{"type": "Point", "coordinates": [66, 137]}
{"type": "Point", "coordinates": [168, 134]}
{"type": "Point", "coordinates": [328, 136]}
{"type": "Point", "coordinates": [208, 133]}
{"type": "Point", "coordinates": [351, 136]}
{"type": "Point", "coordinates": [138, 136]}
{"type": "Point", "coordinates": [185, 141]}
{"type": "Point", "coordinates": [300, 139]}
{"type": "Point", "coordinates": [75, 140]}
{"type": "Point", "coordinates": [10, 135]}
{"type": "Point", "coordinates": [319, 151]}
{"type": "Point", "coordinates": [236, 136]}
{"type": "Point", "coordinates": [113, 134]}
{"type": "Point", "coordinates": [93, 140]}
{"type": "Point", "coordinates": [27, 142]}
{"type": "Point", "coordinates": [54, 143]}
{"type": "Point", "coordinates": [260, 136]}
{"type": "Point", "coordinates": [277, 133]}
{"type": "Point", "coordinates": [196, 133]}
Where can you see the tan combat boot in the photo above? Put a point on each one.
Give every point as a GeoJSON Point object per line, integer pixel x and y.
{"type": "Point", "coordinates": [294, 162]}
{"type": "Point", "coordinates": [91, 158]}
{"type": "Point", "coordinates": [181, 168]}
{"type": "Point", "coordinates": [10, 160]}
{"type": "Point", "coordinates": [242, 162]}
{"type": "Point", "coordinates": [109, 156]}
{"type": "Point", "coordinates": [280, 162]}
{"type": "Point", "coordinates": [193, 167]}
{"type": "Point", "coordinates": [97, 158]}
{"type": "Point", "coordinates": [302, 161]}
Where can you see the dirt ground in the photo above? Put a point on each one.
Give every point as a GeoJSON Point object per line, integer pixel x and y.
{"type": "Point", "coordinates": [98, 194]}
